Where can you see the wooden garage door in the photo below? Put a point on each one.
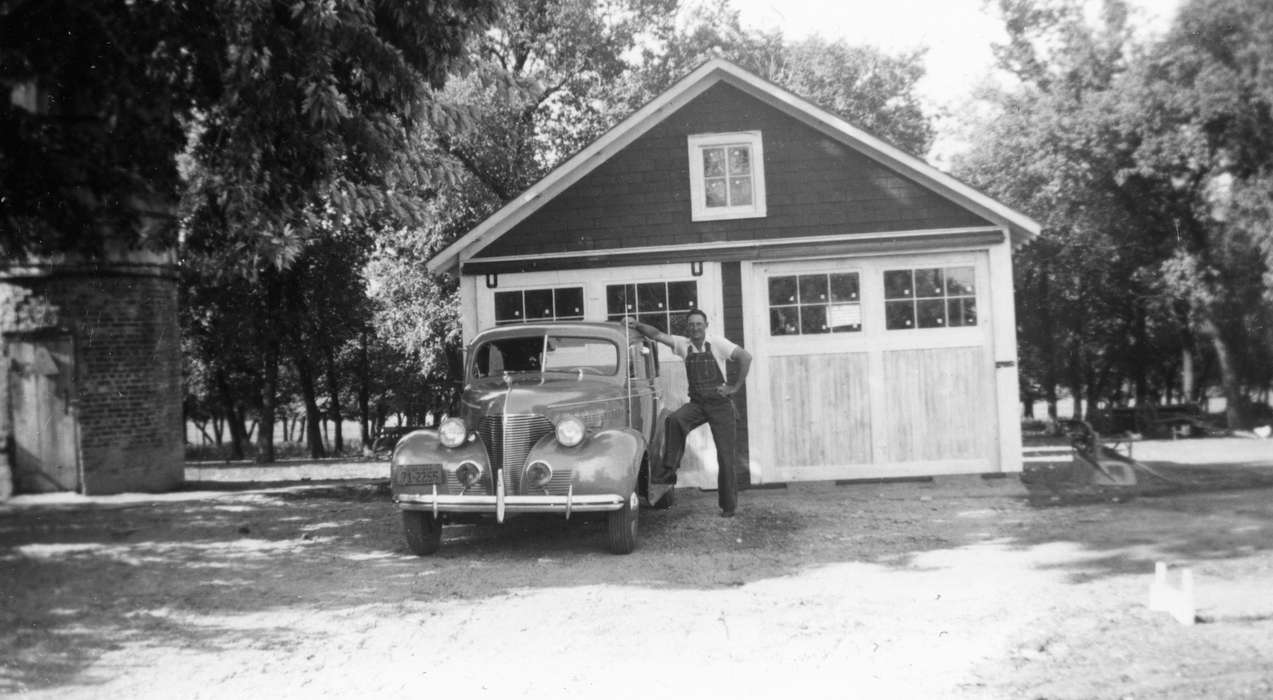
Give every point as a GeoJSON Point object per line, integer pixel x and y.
{"type": "Point", "coordinates": [872, 367]}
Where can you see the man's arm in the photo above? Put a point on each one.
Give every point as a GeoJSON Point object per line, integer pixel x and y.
{"type": "Point", "coordinates": [651, 332]}
{"type": "Point", "coordinates": [743, 358]}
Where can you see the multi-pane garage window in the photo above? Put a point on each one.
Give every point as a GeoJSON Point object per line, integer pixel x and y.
{"type": "Point", "coordinates": [660, 304]}
{"type": "Point", "coordinates": [528, 305]}
{"type": "Point", "coordinates": [817, 303]}
{"type": "Point", "coordinates": [930, 297]}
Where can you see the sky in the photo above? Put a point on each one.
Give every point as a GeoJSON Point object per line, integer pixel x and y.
{"type": "Point", "coordinates": [957, 33]}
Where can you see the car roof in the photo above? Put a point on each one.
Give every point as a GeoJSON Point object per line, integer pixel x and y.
{"type": "Point", "coordinates": [592, 328]}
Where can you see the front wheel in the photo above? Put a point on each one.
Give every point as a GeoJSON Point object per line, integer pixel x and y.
{"type": "Point", "coordinates": [424, 532]}
{"type": "Point", "coordinates": [623, 526]}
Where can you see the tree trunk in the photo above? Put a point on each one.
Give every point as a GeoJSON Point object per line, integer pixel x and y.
{"type": "Point", "coordinates": [233, 417]}
{"type": "Point", "coordinates": [305, 377]}
{"type": "Point", "coordinates": [269, 370]}
{"type": "Point", "coordinates": [269, 401]}
{"type": "Point", "coordinates": [333, 390]}
{"type": "Point", "coordinates": [1234, 400]}
{"type": "Point", "coordinates": [364, 395]}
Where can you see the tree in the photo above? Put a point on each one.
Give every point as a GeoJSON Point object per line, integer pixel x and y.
{"type": "Point", "coordinates": [308, 140]}
{"type": "Point", "coordinates": [97, 94]}
{"type": "Point", "coordinates": [1208, 96]}
{"type": "Point", "coordinates": [1061, 144]}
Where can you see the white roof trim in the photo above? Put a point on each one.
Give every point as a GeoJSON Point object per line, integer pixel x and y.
{"type": "Point", "coordinates": [685, 90]}
{"type": "Point", "coordinates": [768, 242]}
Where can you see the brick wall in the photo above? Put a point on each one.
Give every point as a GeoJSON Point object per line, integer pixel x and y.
{"type": "Point", "coordinates": [123, 323]}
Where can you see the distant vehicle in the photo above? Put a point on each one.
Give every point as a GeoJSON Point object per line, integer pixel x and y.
{"type": "Point", "coordinates": [556, 418]}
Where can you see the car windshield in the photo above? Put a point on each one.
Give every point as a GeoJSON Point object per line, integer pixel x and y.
{"type": "Point", "coordinates": [546, 353]}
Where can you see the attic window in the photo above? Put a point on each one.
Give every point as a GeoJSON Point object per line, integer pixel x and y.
{"type": "Point", "coordinates": [727, 176]}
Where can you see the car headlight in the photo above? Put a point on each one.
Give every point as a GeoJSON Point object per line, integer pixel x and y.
{"type": "Point", "coordinates": [453, 432]}
{"type": "Point", "coordinates": [570, 431]}
{"type": "Point", "coordinates": [538, 474]}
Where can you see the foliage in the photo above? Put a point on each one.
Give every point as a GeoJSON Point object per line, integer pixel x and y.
{"type": "Point", "coordinates": [308, 150]}
{"type": "Point", "coordinates": [1119, 162]}
{"type": "Point", "coordinates": [584, 66]}
{"type": "Point", "coordinates": [1208, 92]}
{"type": "Point", "coordinates": [95, 93]}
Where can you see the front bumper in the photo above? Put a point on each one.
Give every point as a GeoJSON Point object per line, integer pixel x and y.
{"type": "Point", "coordinates": [500, 504]}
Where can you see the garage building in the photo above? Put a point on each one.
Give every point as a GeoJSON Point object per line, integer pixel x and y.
{"type": "Point", "coordinates": [874, 290]}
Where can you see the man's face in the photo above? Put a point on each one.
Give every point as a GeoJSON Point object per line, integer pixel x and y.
{"type": "Point", "coordinates": [697, 327]}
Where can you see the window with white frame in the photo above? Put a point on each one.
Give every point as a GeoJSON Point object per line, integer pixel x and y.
{"type": "Point", "coordinates": [529, 305]}
{"type": "Point", "coordinates": [930, 297]}
{"type": "Point", "coordinates": [815, 303]}
{"type": "Point", "coordinates": [727, 176]}
{"type": "Point", "coordinates": [660, 304]}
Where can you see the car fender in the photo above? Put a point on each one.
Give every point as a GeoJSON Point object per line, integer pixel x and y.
{"type": "Point", "coordinates": [607, 461]}
{"type": "Point", "coordinates": [423, 447]}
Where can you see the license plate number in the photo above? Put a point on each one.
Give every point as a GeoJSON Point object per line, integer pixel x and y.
{"type": "Point", "coordinates": [421, 475]}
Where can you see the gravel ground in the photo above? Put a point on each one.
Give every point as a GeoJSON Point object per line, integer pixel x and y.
{"type": "Point", "coordinates": [961, 587]}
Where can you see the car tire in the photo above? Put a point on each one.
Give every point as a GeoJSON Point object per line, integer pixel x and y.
{"type": "Point", "coordinates": [424, 532]}
{"type": "Point", "coordinates": [667, 501]}
{"type": "Point", "coordinates": [622, 529]}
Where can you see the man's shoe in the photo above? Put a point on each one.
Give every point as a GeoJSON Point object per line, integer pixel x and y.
{"type": "Point", "coordinates": [727, 514]}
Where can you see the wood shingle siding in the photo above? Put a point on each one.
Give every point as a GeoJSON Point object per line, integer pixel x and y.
{"type": "Point", "coordinates": [815, 187]}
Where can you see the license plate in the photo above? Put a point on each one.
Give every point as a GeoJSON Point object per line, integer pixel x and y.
{"type": "Point", "coordinates": [421, 475]}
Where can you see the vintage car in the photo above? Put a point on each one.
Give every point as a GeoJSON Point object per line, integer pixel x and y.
{"type": "Point", "coordinates": [555, 418]}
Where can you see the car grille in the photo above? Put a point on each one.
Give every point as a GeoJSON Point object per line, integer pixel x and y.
{"type": "Point", "coordinates": [508, 440]}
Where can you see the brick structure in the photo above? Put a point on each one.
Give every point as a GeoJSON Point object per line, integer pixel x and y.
{"type": "Point", "coordinates": [95, 348]}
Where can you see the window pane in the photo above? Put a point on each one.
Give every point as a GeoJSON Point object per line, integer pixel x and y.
{"type": "Point", "coordinates": [682, 296]}
{"type": "Point", "coordinates": [897, 285]}
{"type": "Point", "coordinates": [713, 162]}
{"type": "Point", "coordinates": [844, 287]}
{"type": "Point", "coordinates": [739, 160]}
{"type": "Point", "coordinates": [657, 320]}
{"type": "Point", "coordinates": [962, 312]}
{"type": "Point", "coordinates": [739, 191]}
{"type": "Point", "coordinates": [845, 318]}
{"type": "Point", "coordinates": [899, 315]}
{"type": "Point", "coordinates": [652, 296]}
{"type": "Point", "coordinates": [715, 191]}
{"type": "Point", "coordinates": [813, 319]}
{"type": "Point", "coordinates": [959, 281]}
{"type": "Point", "coordinates": [928, 283]}
{"type": "Point", "coordinates": [784, 321]}
{"type": "Point", "coordinates": [813, 289]}
{"type": "Point", "coordinates": [508, 307]}
{"type": "Point", "coordinates": [782, 290]}
{"type": "Point", "coordinates": [620, 298]}
{"type": "Point", "coordinates": [539, 304]}
{"type": "Point", "coordinates": [568, 302]}
{"type": "Point", "coordinates": [679, 324]}
{"type": "Point", "coordinates": [932, 313]}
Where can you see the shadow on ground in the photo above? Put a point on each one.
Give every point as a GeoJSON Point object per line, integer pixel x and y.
{"type": "Point", "coordinates": [79, 580]}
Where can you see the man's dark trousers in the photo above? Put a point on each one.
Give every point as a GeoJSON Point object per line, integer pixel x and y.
{"type": "Point", "coordinates": [720, 414]}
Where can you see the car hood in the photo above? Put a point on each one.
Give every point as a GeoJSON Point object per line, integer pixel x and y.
{"type": "Point", "coordinates": [532, 393]}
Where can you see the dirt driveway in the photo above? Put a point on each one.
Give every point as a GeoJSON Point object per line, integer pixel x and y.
{"type": "Point", "coordinates": [963, 587]}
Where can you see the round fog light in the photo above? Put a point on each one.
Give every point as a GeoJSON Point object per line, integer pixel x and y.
{"type": "Point", "coordinates": [467, 474]}
{"type": "Point", "coordinates": [538, 474]}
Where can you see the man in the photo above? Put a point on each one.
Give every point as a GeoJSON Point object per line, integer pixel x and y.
{"type": "Point", "coordinates": [711, 400]}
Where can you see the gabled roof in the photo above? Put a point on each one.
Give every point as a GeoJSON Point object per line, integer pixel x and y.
{"type": "Point", "coordinates": [1020, 226]}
